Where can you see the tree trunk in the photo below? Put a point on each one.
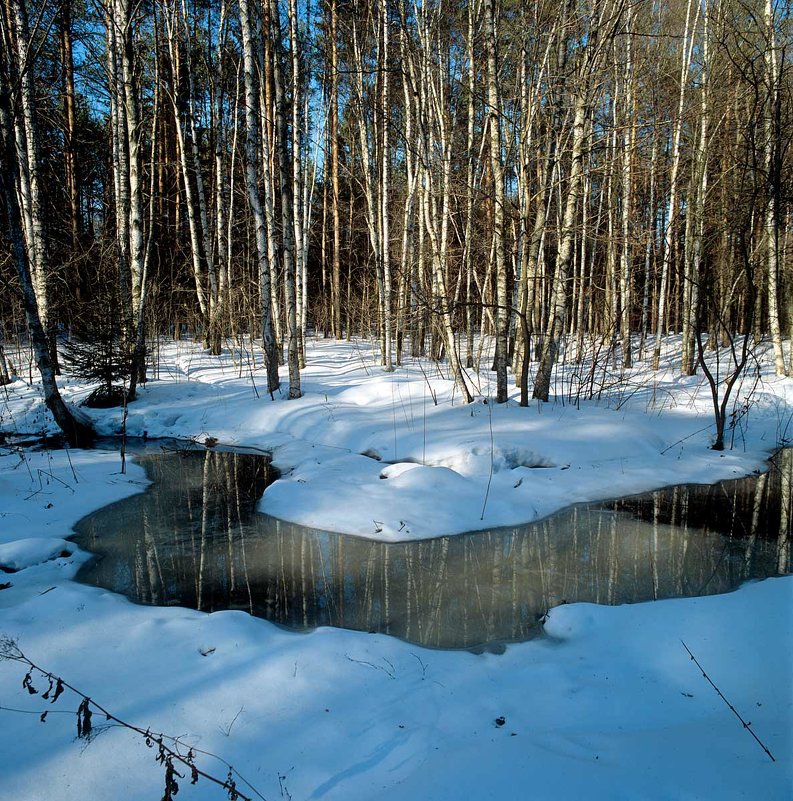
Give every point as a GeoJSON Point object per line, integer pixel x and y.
{"type": "Point", "coordinates": [69, 149]}
{"type": "Point", "coordinates": [289, 201]}
{"type": "Point", "coordinates": [334, 171]}
{"type": "Point", "coordinates": [696, 215]}
{"type": "Point", "coordinates": [628, 138]}
{"type": "Point", "coordinates": [588, 66]}
{"type": "Point", "coordinates": [252, 109]}
{"type": "Point", "coordinates": [122, 23]}
{"type": "Point", "coordinates": [774, 171]}
{"type": "Point", "coordinates": [503, 307]}
{"type": "Point", "coordinates": [385, 175]}
{"type": "Point", "coordinates": [77, 430]}
{"type": "Point", "coordinates": [26, 134]}
{"type": "Point", "coordinates": [671, 220]}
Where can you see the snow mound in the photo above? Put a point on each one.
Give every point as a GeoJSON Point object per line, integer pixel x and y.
{"type": "Point", "coordinates": [20, 554]}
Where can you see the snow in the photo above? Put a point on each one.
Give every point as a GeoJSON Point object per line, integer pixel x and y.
{"type": "Point", "coordinates": [21, 554]}
{"type": "Point", "coordinates": [606, 705]}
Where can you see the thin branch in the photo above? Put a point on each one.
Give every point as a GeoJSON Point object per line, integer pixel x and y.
{"type": "Point", "coordinates": [746, 724]}
{"type": "Point", "coordinates": [10, 651]}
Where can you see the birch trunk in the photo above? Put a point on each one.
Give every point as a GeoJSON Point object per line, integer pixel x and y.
{"type": "Point", "coordinates": [528, 241]}
{"type": "Point", "coordinates": [503, 308]}
{"type": "Point", "coordinates": [133, 204]}
{"type": "Point", "coordinates": [252, 110]}
{"type": "Point", "coordinates": [558, 307]}
{"type": "Point", "coordinates": [28, 165]}
{"type": "Point", "coordinates": [334, 170]}
{"type": "Point", "coordinates": [588, 66]}
{"type": "Point", "coordinates": [649, 248]}
{"type": "Point", "coordinates": [221, 242]}
{"type": "Point", "coordinates": [289, 202]}
{"type": "Point", "coordinates": [267, 168]}
{"type": "Point", "coordinates": [469, 189]}
{"type": "Point", "coordinates": [385, 174]}
{"type": "Point", "coordinates": [297, 195]}
{"type": "Point", "coordinates": [69, 113]}
{"type": "Point", "coordinates": [773, 169]}
{"type": "Point", "coordinates": [628, 143]}
{"type": "Point", "coordinates": [671, 220]}
{"type": "Point", "coordinates": [76, 429]}
{"type": "Point", "coordinates": [435, 155]}
{"type": "Point", "coordinates": [372, 209]}
{"type": "Point", "coordinates": [409, 211]}
{"type": "Point", "coordinates": [693, 269]}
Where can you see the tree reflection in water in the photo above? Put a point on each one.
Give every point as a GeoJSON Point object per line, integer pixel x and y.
{"type": "Point", "coordinates": [194, 539]}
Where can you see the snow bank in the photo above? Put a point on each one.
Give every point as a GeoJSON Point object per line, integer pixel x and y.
{"type": "Point", "coordinates": [607, 706]}
{"type": "Point", "coordinates": [484, 464]}
{"type": "Point", "coordinates": [19, 554]}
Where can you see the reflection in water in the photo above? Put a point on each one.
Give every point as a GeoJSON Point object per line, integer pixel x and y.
{"type": "Point", "coordinates": [194, 539]}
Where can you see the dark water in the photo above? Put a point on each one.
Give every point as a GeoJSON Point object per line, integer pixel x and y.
{"type": "Point", "coordinates": [194, 539]}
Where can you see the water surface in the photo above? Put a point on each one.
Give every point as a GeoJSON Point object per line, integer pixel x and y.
{"type": "Point", "coordinates": [194, 539]}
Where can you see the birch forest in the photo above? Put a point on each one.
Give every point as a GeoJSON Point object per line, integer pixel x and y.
{"type": "Point", "coordinates": [493, 183]}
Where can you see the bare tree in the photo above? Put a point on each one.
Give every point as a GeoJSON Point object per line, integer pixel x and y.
{"type": "Point", "coordinates": [603, 23]}
{"type": "Point", "coordinates": [252, 114]}
{"type": "Point", "coordinates": [503, 305]}
{"type": "Point", "coordinates": [76, 428]}
{"type": "Point", "coordinates": [772, 145]}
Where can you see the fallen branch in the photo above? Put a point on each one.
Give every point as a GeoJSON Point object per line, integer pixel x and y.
{"type": "Point", "coordinates": [746, 724]}
{"type": "Point", "coordinates": [390, 671]}
{"type": "Point", "coordinates": [10, 651]}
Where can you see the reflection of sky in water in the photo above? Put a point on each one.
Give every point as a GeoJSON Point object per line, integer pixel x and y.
{"type": "Point", "coordinates": [194, 539]}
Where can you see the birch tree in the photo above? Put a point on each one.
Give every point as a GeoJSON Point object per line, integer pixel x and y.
{"type": "Point", "coordinates": [435, 151]}
{"type": "Point", "coordinates": [252, 113]}
{"type": "Point", "coordinates": [605, 18]}
{"type": "Point", "coordinates": [76, 428]}
{"type": "Point", "coordinates": [18, 43]}
{"type": "Point", "coordinates": [687, 44]}
{"type": "Point", "coordinates": [503, 305]}
{"type": "Point", "coordinates": [127, 131]}
{"type": "Point", "coordinates": [334, 170]}
{"type": "Point", "coordinates": [771, 135]}
{"type": "Point", "coordinates": [290, 199]}
{"type": "Point", "coordinates": [696, 217]}
{"type": "Point", "coordinates": [201, 249]}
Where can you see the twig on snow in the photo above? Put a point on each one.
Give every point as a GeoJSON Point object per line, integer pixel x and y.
{"type": "Point", "coordinates": [746, 724]}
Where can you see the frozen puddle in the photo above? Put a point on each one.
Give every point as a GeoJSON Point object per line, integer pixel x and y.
{"type": "Point", "coordinates": [194, 539]}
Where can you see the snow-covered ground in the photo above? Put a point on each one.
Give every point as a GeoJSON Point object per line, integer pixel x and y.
{"type": "Point", "coordinates": [607, 705]}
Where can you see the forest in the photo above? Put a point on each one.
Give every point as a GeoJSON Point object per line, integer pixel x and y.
{"type": "Point", "coordinates": [580, 177]}
{"type": "Point", "coordinates": [396, 399]}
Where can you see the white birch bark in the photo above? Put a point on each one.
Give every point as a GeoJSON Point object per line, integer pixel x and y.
{"type": "Point", "coordinates": [589, 63]}
{"type": "Point", "coordinates": [671, 220]}
{"type": "Point", "coordinates": [372, 208]}
{"type": "Point", "coordinates": [773, 168]}
{"type": "Point", "coordinates": [252, 110]}
{"type": "Point", "coordinates": [435, 156]}
{"type": "Point", "coordinates": [220, 240]}
{"type": "Point", "coordinates": [503, 308]}
{"type": "Point", "coordinates": [628, 144]}
{"type": "Point", "coordinates": [27, 146]}
{"type": "Point", "coordinates": [409, 211]}
{"type": "Point", "coordinates": [649, 246]}
{"type": "Point", "coordinates": [693, 267]}
{"type": "Point", "coordinates": [385, 174]}
{"type": "Point", "coordinates": [289, 202]}
{"type": "Point", "coordinates": [334, 169]}
{"type": "Point", "coordinates": [297, 184]}
{"type": "Point", "coordinates": [76, 427]}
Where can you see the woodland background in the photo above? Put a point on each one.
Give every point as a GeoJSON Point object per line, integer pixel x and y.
{"type": "Point", "coordinates": [587, 175]}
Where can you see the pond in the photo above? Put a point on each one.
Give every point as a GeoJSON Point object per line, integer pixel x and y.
{"type": "Point", "coordinates": [194, 539]}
